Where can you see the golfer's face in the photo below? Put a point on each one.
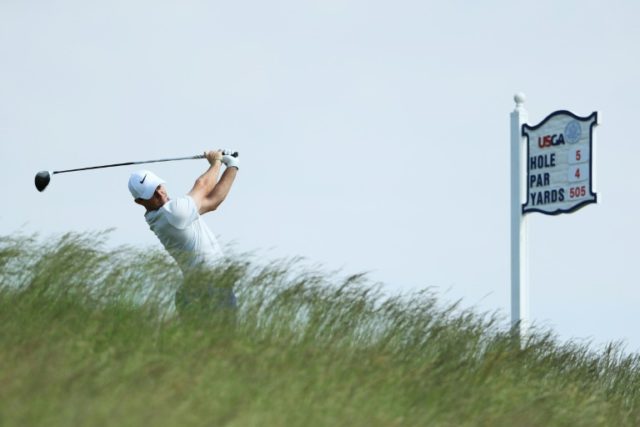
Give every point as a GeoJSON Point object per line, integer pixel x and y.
{"type": "Point", "coordinates": [160, 196]}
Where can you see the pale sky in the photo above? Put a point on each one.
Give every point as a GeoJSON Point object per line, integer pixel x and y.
{"type": "Point", "coordinates": [374, 135]}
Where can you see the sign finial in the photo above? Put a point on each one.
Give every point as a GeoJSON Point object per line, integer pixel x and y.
{"type": "Point", "coordinates": [520, 98]}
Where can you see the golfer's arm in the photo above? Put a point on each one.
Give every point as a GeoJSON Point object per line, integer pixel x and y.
{"type": "Point", "coordinates": [205, 184]}
{"type": "Point", "coordinates": [220, 191]}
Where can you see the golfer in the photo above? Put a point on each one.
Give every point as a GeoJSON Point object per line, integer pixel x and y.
{"type": "Point", "coordinates": [179, 226]}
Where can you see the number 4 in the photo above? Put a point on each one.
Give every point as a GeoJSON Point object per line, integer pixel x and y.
{"type": "Point", "coordinates": [577, 173]}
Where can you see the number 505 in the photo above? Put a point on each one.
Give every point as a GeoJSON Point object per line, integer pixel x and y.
{"type": "Point", "coordinates": [577, 192]}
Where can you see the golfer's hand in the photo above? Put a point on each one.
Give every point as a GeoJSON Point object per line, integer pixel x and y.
{"type": "Point", "coordinates": [230, 161]}
{"type": "Point", "coordinates": [212, 156]}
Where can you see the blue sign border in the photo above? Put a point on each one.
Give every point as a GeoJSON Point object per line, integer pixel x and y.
{"type": "Point", "coordinates": [526, 127]}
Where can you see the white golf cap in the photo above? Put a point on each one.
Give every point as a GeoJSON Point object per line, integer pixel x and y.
{"type": "Point", "coordinates": [143, 184]}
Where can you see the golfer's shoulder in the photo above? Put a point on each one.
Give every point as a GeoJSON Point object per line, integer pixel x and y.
{"type": "Point", "coordinates": [181, 211]}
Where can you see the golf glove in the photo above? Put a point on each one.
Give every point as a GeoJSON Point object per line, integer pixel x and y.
{"type": "Point", "coordinates": [230, 161]}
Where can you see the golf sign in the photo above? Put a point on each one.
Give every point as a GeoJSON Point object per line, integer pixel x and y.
{"type": "Point", "coordinates": [559, 163]}
{"type": "Point", "coordinates": [552, 172]}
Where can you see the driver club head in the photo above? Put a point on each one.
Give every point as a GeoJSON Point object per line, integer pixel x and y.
{"type": "Point", "coordinates": [42, 180]}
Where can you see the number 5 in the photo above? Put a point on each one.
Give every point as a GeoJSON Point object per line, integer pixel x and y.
{"type": "Point", "coordinates": [578, 155]}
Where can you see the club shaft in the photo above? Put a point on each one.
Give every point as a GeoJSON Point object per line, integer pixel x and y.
{"type": "Point", "coordinates": [199, 156]}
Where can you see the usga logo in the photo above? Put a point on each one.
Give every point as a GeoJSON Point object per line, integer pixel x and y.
{"type": "Point", "coordinates": [550, 140]}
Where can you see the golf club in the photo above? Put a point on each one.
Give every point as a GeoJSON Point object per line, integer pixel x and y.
{"type": "Point", "coordinates": [44, 177]}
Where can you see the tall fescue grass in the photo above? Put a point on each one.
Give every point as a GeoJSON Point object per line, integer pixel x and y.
{"type": "Point", "coordinates": [88, 336]}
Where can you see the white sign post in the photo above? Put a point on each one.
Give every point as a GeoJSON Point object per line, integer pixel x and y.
{"type": "Point", "coordinates": [519, 260]}
{"type": "Point", "coordinates": [558, 157]}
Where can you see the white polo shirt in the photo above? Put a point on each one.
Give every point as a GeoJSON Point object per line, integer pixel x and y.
{"type": "Point", "coordinates": [184, 234]}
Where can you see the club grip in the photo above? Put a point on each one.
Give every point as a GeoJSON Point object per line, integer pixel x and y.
{"type": "Point", "coordinates": [202, 156]}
